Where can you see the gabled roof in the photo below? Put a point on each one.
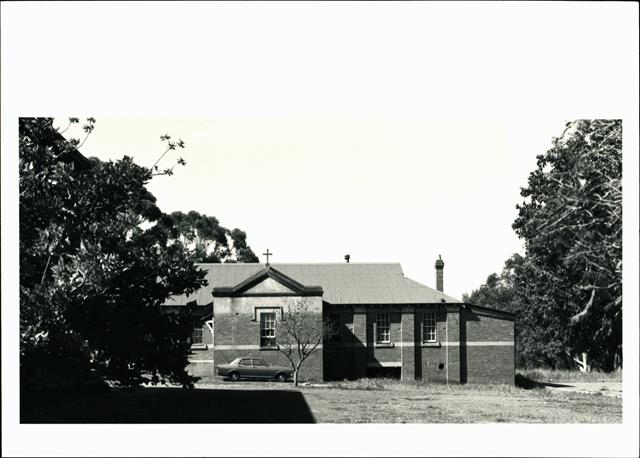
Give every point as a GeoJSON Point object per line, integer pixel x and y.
{"type": "Point", "coordinates": [353, 283]}
{"type": "Point", "coordinates": [244, 287]}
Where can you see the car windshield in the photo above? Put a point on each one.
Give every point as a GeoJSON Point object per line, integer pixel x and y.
{"type": "Point", "coordinates": [235, 361]}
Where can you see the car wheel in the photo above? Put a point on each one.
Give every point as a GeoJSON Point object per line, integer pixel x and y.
{"type": "Point", "coordinates": [234, 376]}
{"type": "Point", "coordinates": [281, 378]}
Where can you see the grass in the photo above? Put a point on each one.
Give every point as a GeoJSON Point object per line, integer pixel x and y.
{"type": "Point", "coordinates": [389, 384]}
{"type": "Point", "coordinates": [389, 401]}
{"type": "Point", "coordinates": [419, 387]}
{"type": "Point", "coordinates": [552, 375]}
{"type": "Point", "coordinates": [360, 401]}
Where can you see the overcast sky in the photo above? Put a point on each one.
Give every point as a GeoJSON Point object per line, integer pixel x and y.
{"type": "Point", "coordinates": [404, 190]}
{"type": "Point", "coordinates": [392, 131]}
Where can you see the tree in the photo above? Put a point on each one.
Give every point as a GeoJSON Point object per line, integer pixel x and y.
{"type": "Point", "coordinates": [210, 241]}
{"type": "Point", "coordinates": [571, 223]}
{"type": "Point", "coordinates": [92, 279]}
{"type": "Point", "coordinates": [539, 341]}
{"type": "Point", "coordinates": [300, 333]}
{"type": "Point", "coordinates": [498, 291]}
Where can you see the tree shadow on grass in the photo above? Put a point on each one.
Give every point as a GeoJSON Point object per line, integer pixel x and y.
{"type": "Point", "coordinates": [174, 405]}
{"type": "Point", "coordinates": [528, 384]}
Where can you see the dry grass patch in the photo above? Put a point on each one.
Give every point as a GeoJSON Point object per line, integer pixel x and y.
{"type": "Point", "coordinates": [390, 401]}
{"type": "Point", "coordinates": [551, 375]}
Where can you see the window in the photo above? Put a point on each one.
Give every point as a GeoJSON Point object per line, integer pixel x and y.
{"type": "Point", "coordinates": [245, 362]}
{"type": "Point", "coordinates": [268, 329]}
{"type": "Point", "coordinates": [259, 363]}
{"type": "Point", "coordinates": [196, 336]}
{"type": "Point", "coordinates": [334, 323]}
{"type": "Point", "coordinates": [383, 328]}
{"type": "Point", "coordinates": [429, 327]}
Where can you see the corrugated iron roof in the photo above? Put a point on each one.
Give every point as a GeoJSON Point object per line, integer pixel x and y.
{"type": "Point", "coordinates": [353, 283]}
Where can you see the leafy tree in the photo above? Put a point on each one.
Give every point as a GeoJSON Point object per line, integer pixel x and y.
{"type": "Point", "coordinates": [300, 333]}
{"type": "Point", "coordinates": [210, 241]}
{"type": "Point", "coordinates": [538, 343]}
{"type": "Point", "coordinates": [571, 223]}
{"type": "Point", "coordinates": [91, 278]}
{"type": "Point", "coordinates": [498, 291]}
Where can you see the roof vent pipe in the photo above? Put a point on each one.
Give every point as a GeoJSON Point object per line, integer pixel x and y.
{"type": "Point", "coordinates": [346, 258]}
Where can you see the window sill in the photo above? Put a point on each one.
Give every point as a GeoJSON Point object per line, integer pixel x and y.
{"type": "Point", "coordinates": [199, 347]}
{"type": "Point", "coordinates": [276, 348]}
{"type": "Point", "coordinates": [431, 344]}
{"type": "Point", "coordinates": [384, 345]}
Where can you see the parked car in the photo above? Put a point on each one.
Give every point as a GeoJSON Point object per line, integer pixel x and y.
{"type": "Point", "coordinates": [254, 368]}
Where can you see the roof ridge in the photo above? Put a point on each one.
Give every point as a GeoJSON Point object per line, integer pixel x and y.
{"type": "Point", "coordinates": [295, 263]}
{"type": "Point", "coordinates": [433, 289]}
{"type": "Point", "coordinates": [342, 283]}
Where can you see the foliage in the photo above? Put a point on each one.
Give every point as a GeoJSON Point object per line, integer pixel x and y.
{"type": "Point", "coordinates": [171, 146]}
{"type": "Point", "coordinates": [567, 289]}
{"type": "Point", "coordinates": [571, 223]}
{"type": "Point", "coordinates": [210, 241]}
{"type": "Point", "coordinates": [300, 331]}
{"type": "Point", "coordinates": [498, 291]}
{"type": "Point", "coordinates": [91, 278]}
{"type": "Point", "coordinates": [537, 343]}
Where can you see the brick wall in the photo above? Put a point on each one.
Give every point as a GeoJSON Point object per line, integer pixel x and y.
{"type": "Point", "coordinates": [359, 344]}
{"type": "Point", "coordinates": [479, 348]}
{"type": "Point", "coordinates": [431, 358]}
{"type": "Point", "coordinates": [487, 348]}
{"type": "Point", "coordinates": [359, 350]}
{"type": "Point", "coordinates": [454, 354]}
{"type": "Point", "coordinates": [237, 324]}
{"type": "Point", "coordinates": [311, 370]}
{"type": "Point", "coordinates": [407, 353]}
{"type": "Point", "coordinates": [490, 365]}
{"type": "Point", "coordinates": [201, 358]}
{"type": "Point", "coordinates": [236, 330]}
{"type": "Point", "coordinates": [382, 353]}
{"type": "Point", "coordinates": [201, 369]}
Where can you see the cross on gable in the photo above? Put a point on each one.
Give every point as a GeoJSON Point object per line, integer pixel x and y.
{"type": "Point", "coordinates": [267, 254]}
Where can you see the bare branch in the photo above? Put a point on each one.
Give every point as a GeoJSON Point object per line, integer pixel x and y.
{"type": "Point", "coordinates": [576, 318]}
{"type": "Point", "coordinates": [300, 332]}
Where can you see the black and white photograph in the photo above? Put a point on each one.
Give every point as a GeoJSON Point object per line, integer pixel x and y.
{"type": "Point", "coordinates": [320, 228]}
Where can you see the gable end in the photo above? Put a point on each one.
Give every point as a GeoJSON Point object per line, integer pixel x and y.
{"type": "Point", "coordinates": [268, 282]}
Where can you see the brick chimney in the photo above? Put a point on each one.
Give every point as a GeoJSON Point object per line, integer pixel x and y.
{"type": "Point", "coordinates": [439, 274]}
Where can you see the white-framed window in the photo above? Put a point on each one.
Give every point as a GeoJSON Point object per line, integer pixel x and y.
{"type": "Point", "coordinates": [334, 322]}
{"type": "Point", "coordinates": [268, 329]}
{"type": "Point", "coordinates": [383, 327]}
{"type": "Point", "coordinates": [197, 337]}
{"type": "Point", "coordinates": [429, 333]}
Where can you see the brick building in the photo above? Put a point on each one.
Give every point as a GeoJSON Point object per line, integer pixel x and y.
{"type": "Point", "coordinates": [388, 324]}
